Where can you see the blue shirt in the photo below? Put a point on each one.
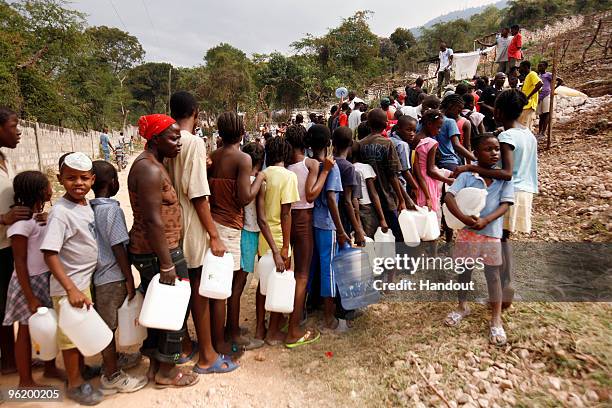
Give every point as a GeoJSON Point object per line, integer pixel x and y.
{"type": "Point", "coordinates": [500, 191]}
{"type": "Point", "coordinates": [445, 144]}
{"type": "Point", "coordinates": [104, 140]}
{"type": "Point", "coordinates": [403, 151]}
{"type": "Point", "coordinates": [110, 231]}
{"type": "Point", "coordinates": [525, 160]}
{"type": "Point", "coordinates": [320, 214]}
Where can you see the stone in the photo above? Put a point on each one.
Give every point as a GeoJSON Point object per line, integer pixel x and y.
{"type": "Point", "coordinates": [463, 399]}
{"type": "Point", "coordinates": [523, 353]}
{"type": "Point", "coordinates": [483, 375]}
{"type": "Point", "coordinates": [555, 383]}
{"type": "Point", "coordinates": [483, 402]}
{"type": "Point", "coordinates": [592, 396]}
{"type": "Point", "coordinates": [506, 385]}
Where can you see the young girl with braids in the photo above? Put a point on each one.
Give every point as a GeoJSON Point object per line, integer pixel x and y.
{"type": "Point", "coordinates": [29, 286]}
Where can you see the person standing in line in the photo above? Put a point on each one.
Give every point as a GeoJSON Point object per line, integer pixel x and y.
{"type": "Point", "coordinates": [531, 88]}
{"type": "Point", "coordinates": [445, 62]}
{"type": "Point", "coordinates": [547, 92]}
{"type": "Point", "coordinates": [9, 214]}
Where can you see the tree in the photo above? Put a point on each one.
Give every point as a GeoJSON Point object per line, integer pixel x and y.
{"type": "Point", "coordinates": [148, 85]}
{"type": "Point", "coordinates": [115, 47]}
{"type": "Point", "coordinates": [231, 70]}
{"type": "Point", "coordinates": [403, 39]}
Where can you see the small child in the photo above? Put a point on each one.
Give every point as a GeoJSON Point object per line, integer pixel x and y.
{"type": "Point", "coordinates": [481, 238]}
{"type": "Point", "coordinates": [426, 172]}
{"type": "Point", "coordinates": [249, 240]}
{"type": "Point", "coordinates": [327, 228]}
{"type": "Point", "coordinates": [274, 219]}
{"type": "Point", "coordinates": [113, 279]}
{"type": "Point", "coordinates": [29, 286]}
{"type": "Point", "coordinates": [342, 140]}
{"type": "Point", "coordinates": [310, 183]}
{"type": "Point", "coordinates": [71, 253]}
{"type": "Point", "coordinates": [405, 131]}
{"type": "Point", "coordinates": [370, 211]}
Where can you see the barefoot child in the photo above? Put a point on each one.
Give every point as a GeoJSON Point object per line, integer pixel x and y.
{"type": "Point", "coordinates": [231, 190]}
{"type": "Point", "coordinates": [274, 218]}
{"type": "Point", "coordinates": [328, 227]}
{"type": "Point", "coordinates": [71, 253]}
{"type": "Point", "coordinates": [29, 286]}
{"type": "Point", "coordinates": [310, 184]}
{"type": "Point", "coordinates": [113, 279]}
{"type": "Point", "coordinates": [249, 240]}
{"type": "Point", "coordinates": [481, 236]}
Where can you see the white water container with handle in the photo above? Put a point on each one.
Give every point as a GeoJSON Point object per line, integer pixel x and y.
{"type": "Point", "coordinates": [409, 229]}
{"type": "Point", "coordinates": [130, 331]}
{"type": "Point", "coordinates": [471, 201]}
{"type": "Point", "coordinates": [281, 292]}
{"type": "Point", "coordinates": [43, 332]}
{"type": "Point", "coordinates": [165, 306]}
{"type": "Point", "coordinates": [217, 275]}
{"type": "Point", "coordinates": [384, 243]}
{"type": "Point", "coordinates": [265, 266]}
{"type": "Point", "coordinates": [84, 327]}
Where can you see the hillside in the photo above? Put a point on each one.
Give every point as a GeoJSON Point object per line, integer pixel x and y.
{"type": "Point", "coordinates": [455, 15]}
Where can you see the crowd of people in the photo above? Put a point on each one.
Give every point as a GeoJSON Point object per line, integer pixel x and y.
{"type": "Point", "coordinates": [299, 195]}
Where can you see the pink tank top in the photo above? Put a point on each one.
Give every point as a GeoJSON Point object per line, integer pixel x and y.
{"type": "Point", "coordinates": [301, 171]}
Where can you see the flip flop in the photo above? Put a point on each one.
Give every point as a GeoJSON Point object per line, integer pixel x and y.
{"type": "Point", "coordinates": [455, 317]}
{"type": "Point", "coordinates": [188, 358]}
{"type": "Point", "coordinates": [311, 336]}
{"type": "Point", "coordinates": [176, 381]}
{"type": "Point", "coordinates": [273, 343]}
{"type": "Point", "coordinates": [254, 344]}
{"type": "Point", "coordinates": [218, 366]}
{"type": "Point", "coordinates": [497, 336]}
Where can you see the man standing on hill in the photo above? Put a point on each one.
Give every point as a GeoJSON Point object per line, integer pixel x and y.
{"type": "Point", "coordinates": [487, 101]}
{"type": "Point", "coordinates": [515, 53]}
{"type": "Point", "coordinates": [502, 42]}
{"type": "Point", "coordinates": [445, 62]}
{"type": "Point", "coordinates": [531, 88]}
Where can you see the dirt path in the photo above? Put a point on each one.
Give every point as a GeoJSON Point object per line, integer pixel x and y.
{"type": "Point", "coordinates": [263, 380]}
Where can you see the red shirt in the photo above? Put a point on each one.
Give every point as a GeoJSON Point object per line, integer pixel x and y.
{"type": "Point", "coordinates": [513, 48]}
{"type": "Point", "coordinates": [343, 119]}
{"type": "Point", "coordinates": [476, 99]}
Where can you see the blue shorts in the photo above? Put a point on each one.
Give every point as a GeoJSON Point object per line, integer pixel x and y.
{"type": "Point", "coordinates": [322, 257]}
{"type": "Point", "coordinates": [248, 250]}
{"type": "Point", "coordinates": [106, 154]}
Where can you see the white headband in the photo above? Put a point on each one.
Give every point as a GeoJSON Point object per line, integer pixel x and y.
{"type": "Point", "coordinates": [78, 161]}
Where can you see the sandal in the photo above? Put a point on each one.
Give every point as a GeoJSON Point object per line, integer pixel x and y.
{"type": "Point", "coordinates": [497, 336]}
{"type": "Point", "coordinates": [223, 364]}
{"type": "Point", "coordinates": [254, 344]}
{"type": "Point", "coordinates": [309, 337]}
{"type": "Point", "coordinates": [180, 380]}
{"type": "Point", "coordinates": [454, 318]}
{"type": "Point", "coordinates": [189, 357]}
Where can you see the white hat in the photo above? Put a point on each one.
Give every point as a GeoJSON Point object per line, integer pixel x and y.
{"type": "Point", "coordinates": [78, 161]}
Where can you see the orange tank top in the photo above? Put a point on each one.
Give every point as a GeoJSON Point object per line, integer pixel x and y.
{"type": "Point", "coordinates": [170, 214]}
{"type": "Point", "coordinates": [224, 202]}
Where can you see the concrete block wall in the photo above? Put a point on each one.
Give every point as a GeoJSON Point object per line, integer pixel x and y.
{"type": "Point", "coordinates": [42, 145]}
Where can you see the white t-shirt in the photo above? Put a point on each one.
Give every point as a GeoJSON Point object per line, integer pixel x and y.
{"type": "Point", "coordinates": [35, 233]}
{"type": "Point", "coordinates": [354, 101]}
{"type": "Point", "coordinates": [367, 172]}
{"type": "Point", "coordinates": [250, 214]}
{"type": "Point", "coordinates": [444, 57]}
{"type": "Point", "coordinates": [501, 50]}
{"type": "Point", "coordinates": [71, 232]}
{"type": "Point", "coordinates": [354, 119]}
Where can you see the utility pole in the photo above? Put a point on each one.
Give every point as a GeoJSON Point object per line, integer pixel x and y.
{"type": "Point", "coordinates": [169, 87]}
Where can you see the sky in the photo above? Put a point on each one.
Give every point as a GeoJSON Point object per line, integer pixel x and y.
{"type": "Point", "coordinates": [180, 31]}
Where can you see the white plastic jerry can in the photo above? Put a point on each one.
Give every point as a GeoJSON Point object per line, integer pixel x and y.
{"type": "Point", "coordinates": [281, 292]}
{"type": "Point", "coordinates": [265, 266]}
{"type": "Point", "coordinates": [217, 275]}
{"type": "Point", "coordinates": [164, 306]}
{"type": "Point", "coordinates": [384, 244]}
{"type": "Point", "coordinates": [407, 223]}
{"type": "Point", "coordinates": [43, 332]}
{"type": "Point", "coordinates": [130, 331]}
{"type": "Point", "coordinates": [471, 201]}
{"type": "Point", "coordinates": [84, 327]}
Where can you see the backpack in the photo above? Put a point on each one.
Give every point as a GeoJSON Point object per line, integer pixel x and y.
{"type": "Point", "coordinates": [335, 123]}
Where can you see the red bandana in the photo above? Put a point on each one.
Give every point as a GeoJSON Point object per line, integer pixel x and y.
{"type": "Point", "coordinates": [151, 125]}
